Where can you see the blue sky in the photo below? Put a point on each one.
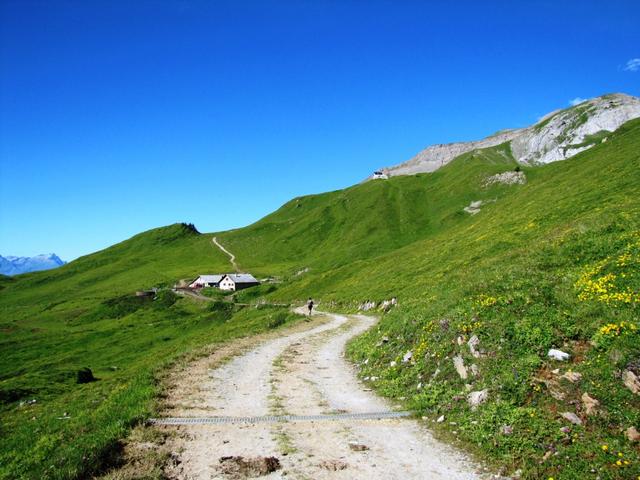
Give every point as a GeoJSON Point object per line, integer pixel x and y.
{"type": "Point", "coordinates": [119, 116]}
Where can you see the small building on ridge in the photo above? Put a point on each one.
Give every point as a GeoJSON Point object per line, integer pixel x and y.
{"type": "Point", "coordinates": [237, 281]}
{"type": "Point", "coordinates": [207, 281]}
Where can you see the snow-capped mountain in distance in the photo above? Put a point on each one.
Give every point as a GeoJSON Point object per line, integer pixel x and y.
{"type": "Point", "coordinates": [11, 265]}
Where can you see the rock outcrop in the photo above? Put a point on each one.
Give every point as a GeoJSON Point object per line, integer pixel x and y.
{"type": "Point", "coordinates": [557, 136]}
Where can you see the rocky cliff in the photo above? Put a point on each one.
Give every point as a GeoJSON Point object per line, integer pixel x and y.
{"type": "Point", "coordinates": [557, 136]}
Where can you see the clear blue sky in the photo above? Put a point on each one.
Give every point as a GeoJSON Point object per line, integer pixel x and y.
{"type": "Point", "coordinates": [120, 116]}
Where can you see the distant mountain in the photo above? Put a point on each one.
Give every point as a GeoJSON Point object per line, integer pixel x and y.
{"type": "Point", "coordinates": [11, 265]}
{"type": "Point", "coordinates": [558, 135]}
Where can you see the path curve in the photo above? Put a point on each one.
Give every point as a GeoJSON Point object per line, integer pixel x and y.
{"type": "Point", "coordinates": [187, 292]}
{"type": "Point", "coordinates": [232, 257]}
{"type": "Point", "coordinates": [302, 373]}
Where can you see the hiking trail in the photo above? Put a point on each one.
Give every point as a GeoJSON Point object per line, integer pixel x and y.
{"type": "Point", "coordinates": [232, 257]}
{"type": "Point", "coordinates": [296, 398]}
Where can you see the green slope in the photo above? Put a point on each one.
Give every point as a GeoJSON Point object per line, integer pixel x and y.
{"type": "Point", "coordinates": [366, 220]}
{"type": "Point", "coordinates": [154, 258]}
{"type": "Point", "coordinates": [553, 264]}
{"type": "Point", "coordinates": [598, 187]}
{"type": "Point", "coordinates": [520, 275]}
{"type": "Point", "coordinates": [508, 275]}
{"type": "Point", "coordinates": [85, 314]}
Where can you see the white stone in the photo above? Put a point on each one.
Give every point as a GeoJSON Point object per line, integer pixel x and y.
{"type": "Point", "coordinates": [506, 178]}
{"type": "Point", "coordinates": [590, 404]}
{"type": "Point", "coordinates": [477, 398]}
{"type": "Point", "coordinates": [632, 434]}
{"type": "Point", "coordinates": [558, 355]}
{"type": "Point", "coordinates": [458, 363]}
{"type": "Point", "coordinates": [473, 343]}
{"type": "Point", "coordinates": [573, 377]}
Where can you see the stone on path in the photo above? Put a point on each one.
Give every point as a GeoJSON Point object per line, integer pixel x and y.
{"type": "Point", "coordinates": [358, 447]}
{"type": "Point", "coordinates": [241, 467]}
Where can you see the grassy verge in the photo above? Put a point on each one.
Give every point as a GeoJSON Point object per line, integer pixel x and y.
{"type": "Point", "coordinates": [518, 310]}
{"type": "Point", "coordinates": [53, 427]}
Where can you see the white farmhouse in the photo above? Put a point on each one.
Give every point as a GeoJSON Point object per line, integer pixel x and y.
{"type": "Point", "coordinates": [206, 281]}
{"type": "Point", "coordinates": [379, 175]}
{"type": "Point", "coordinates": [237, 281]}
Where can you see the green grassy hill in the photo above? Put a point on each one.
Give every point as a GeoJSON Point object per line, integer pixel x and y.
{"type": "Point", "coordinates": [552, 263]}
{"type": "Point", "coordinates": [332, 229]}
{"type": "Point", "coordinates": [85, 314]}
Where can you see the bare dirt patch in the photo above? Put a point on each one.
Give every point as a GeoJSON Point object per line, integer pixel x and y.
{"type": "Point", "coordinates": [241, 467]}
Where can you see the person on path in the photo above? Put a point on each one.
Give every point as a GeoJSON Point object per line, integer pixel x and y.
{"type": "Point", "coordinates": [310, 306]}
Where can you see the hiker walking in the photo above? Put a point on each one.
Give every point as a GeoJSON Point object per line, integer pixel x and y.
{"type": "Point", "coordinates": [310, 306]}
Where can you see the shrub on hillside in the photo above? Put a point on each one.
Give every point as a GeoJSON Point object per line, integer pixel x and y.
{"type": "Point", "coordinates": [119, 307]}
{"type": "Point", "coordinates": [220, 306]}
{"type": "Point", "coordinates": [278, 319]}
{"type": "Point", "coordinates": [85, 375]}
{"type": "Point", "coordinates": [254, 292]}
{"type": "Point", "coordinates": [164, 299]}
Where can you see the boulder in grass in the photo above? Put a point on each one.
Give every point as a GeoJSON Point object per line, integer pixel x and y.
{"type": "Point", "coordinates": [475, 399]}
{"type": "Point", "coordinates": [632, 434]}
{"type": "Point", "coordinates": [85, 375]}
{"type": "Point", "coordinates": [571, 417]}
{"type": "Point", "coordinates": [558, 355]}
{"type": "Point", "coordinates": [590, 404]}
{"type": "Point", "coordinates": [631, 381]}
{"type": "Point", "coordinates": [573, 377]}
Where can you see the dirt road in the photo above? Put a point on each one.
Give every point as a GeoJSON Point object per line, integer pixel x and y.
{"type": "Point", "coordinates": [301, 373]}
{"type": "Point", "coordinates": [232, 257]}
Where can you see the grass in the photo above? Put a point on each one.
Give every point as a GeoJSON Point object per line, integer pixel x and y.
{"type": "Point", "coordinates": [86, 315]}
{"type": "Point", "coordinates": [72, 430]}
{"type": "Point", "coordinates": [524, 275]}
{"type": "Point", "coordinates": [326, 231]}
{"type": "Point", "coordinates": [513, 275]}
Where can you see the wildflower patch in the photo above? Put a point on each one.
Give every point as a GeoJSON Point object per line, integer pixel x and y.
{"type": "Point", "coordinates": [610, 331]}
{"type": "Point", "coordinates": [615, 280]}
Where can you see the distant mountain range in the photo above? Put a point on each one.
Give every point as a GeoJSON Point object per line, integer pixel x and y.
{"type": "Point", "coordinates": [11, 265]}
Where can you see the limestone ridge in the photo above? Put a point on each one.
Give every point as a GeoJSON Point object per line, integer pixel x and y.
{"type": "Point", "coordinates": [557, 136]}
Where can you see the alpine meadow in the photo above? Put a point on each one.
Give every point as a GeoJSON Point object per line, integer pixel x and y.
{"type": "Point", "coordinates": [494, 263]}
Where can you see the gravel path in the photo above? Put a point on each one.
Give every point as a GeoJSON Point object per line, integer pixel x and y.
{"type": "Point", "coordinates": [301, 373]}
{"type": "Point", "coordinates": [232, 257]}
